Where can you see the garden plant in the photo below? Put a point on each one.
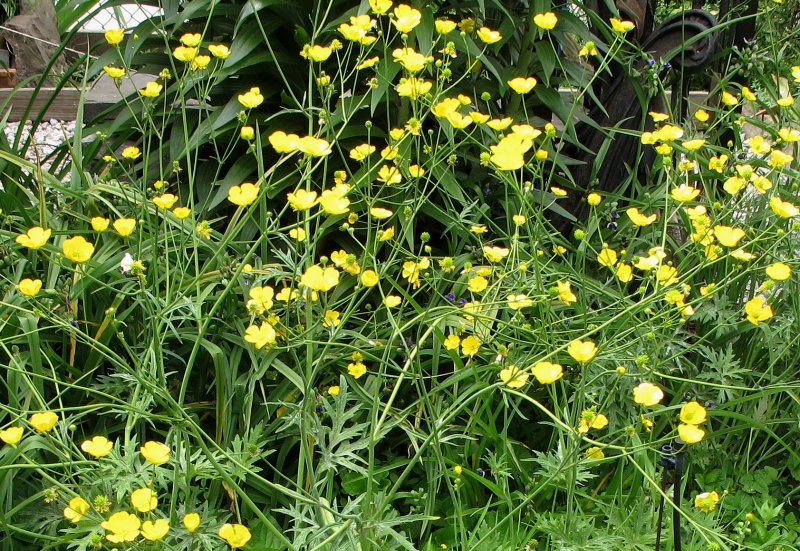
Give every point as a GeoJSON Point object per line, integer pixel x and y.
{"type": "Point", "coordinates": [310, 288]}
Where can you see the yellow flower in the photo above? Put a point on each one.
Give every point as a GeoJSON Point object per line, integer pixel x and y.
{"type": "Point", "coordinates": [621, 26]}
{"type": "Point", "coordinates": [155, 530]}
{"type": "Point", "coordinates": [121, 527]}
{"type": "Point", "coordinates": [76, 509]}
{"type": "Point", "coordinates": [748, 94]}
{"type": "Point", "coordinates": [191, 40]}
{"type": "Point", "coordinates": [470, 345]}
{"type": "Point", "coordinates": [356, 369]}
{"type": "Point", "coordinates": [590, 419]}
{"type": "Point", "coordinates": [413, 87]}
{"type": "Point", "coordinates": [595, 453]}
{"type": "Point", "coordinates": [99, 223]}
{"type": "Point", "coordinates": [588, 49]}
{"type": "Point", "coordinates": [155, 452]}
{"type": "Point", "coordinates": [165, 201]}
{"type": "Point", "coordinates": [668, 133]}
{"type": "Point", "coordinates": [684, 193]}
{"type": "Point", "coordinates": [369, 278]}
{"type": "Point", "coordinates": [151, 90]}
{"type": "Point", "coordinates": [784, 209]}
{"type": "Point", "coordinates": [220, 51]}
{"type": "Point", "coordinates": [778, 158]}
{"type": "Point", "coordinates": [315, 52]}
{"type": "Point", "coordinates": [594, 199]}
{"type": "Point", "coordinates": [331, 318]}
{"type": "Point", "coordinates": [785, 101]}
{"type": "Point", "coordinates": [318, 278]}
{"type": "Point", "coordinates": [500, 124]}
{"type": "Point", "coordinates": [758, 310]}
{"type": "Point", "coordinates": [412, 270]}
{"type": "Point", "coordinates": [494, 254]}
{"type": "Point", "coordinates": [702, 115]}
{"type": "Point", "coordinates": [478, 229]}
{"type": "Point", "coordinates": [638, 218]}
{"type": "Point", "coordinates": [243, 195]}
{"type": "Point", "coordinates": [729, 99]}
{"type": "Point", "coordinates": [298, 234]}
{"type": "Point", "coordinates": [181, 212]}
{"type": "Point", "coordinates": [789, 134]}
{"type": "Point", "coordinates": [131, 152]}
{"type": "Point", "coordinates": [582, 351]}
{"type": "Point", "coordinates": [546, 21]}
{"type": "Point", "coordinates": [728, 236]}
{"type": "Point", "coordinates": [301, 199]}
{"type": "Point", "coordinates": [44, 421]}
{"type": "Point", "coordinates": [522, 85]}
{"type": "Point", "coordinates": [283, 142]}
{"type": "Point", "coordinates": [647, 394]}
{"type": "Point", "coordinates": [124, 226]}
{"type": "Point", "coordinates": [386, 235]}
{"type": "Point", "coordinates": [416, 171]}
{"type": "Point", "coordinates": [452, 342]}
{"type": "Point", "coordinates": [184, 54]}
{"type": "Point", "coordinates": [690, 434]}
{"type": "Point", "coordinates": [444, 26]}
{"type": "Point", "coordinates": [12, 435]}
{"type": "Point", "coordinates": [477, 284]}
{"type": "Point", "coordinates": [547, 373]}
{"type": "Point", "coordinates": [313, 146]}
{"type": "Point", "coordinates": [410, 59]}
{"type": "Point", "coordinates": [706, 501]}
{"type": "Point", "coordinates": [514, 377]}
{"type": "Point", "coordinates": [34, 238]}
{"type": "Point", "coordinates": [380, 213]}
{"type": "Point", "coordinates": [517, 302]}
{"type": "Point", "coordinates": [406, 18]}
{"type": "Point", "coordinates": [778, 271]}
{"type": "Point", "coordinates": [488, 35]}
{"type": "Point", "coordinates": [114, 72]}
{"type": "Point", "coordinates": [361, 152]}
{"type": "Point", "coordinates": [29, 287]}
{"type": "Point", "coordinates": [144, 500]}
{"type": "Point", "coordinates": [260, 335]}
{"type": "Point", "coordinates": [389, 175]}
{"type": "Point", "coordinates": [519, 219]}
{"type": "Point", "coordinates": [357, 29]}
{"type": "Point", "coordinates": [236, 535]}
{"type": "Point", "coordinates": [391, 301]}
{"type": "Point", "coordinates": [692, 413]}
{"type": "Point", "coordinates": [98, 446]}
{"type": "Point", "coordinates": [77, 249]}
{"type": "Point", "coordinates": [607, 257]}
{"type": "Point", "coordinates": [565, 293]}
{"type": "Point", "coordinates": [114, 36]}
{"type": "Point", "coordinates": [380, 7]}
{"type": "Point", "coordinates": [334, 390]}
{"type": "Point", "coordinates": [251, 99]}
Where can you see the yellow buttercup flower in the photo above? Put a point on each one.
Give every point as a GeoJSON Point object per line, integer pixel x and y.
{"type": "Point", "coordinates": [155, 452]}
{"type": "Point", "coordinates": [243, 195]}
{"type": "Point", "coordinates": [547, 373]}
{"type": "Point", "coordinates": [514, 377]}
{"type": "Point", "coordinates": [334, 201]}
{"type": "Point", "coordinates": [758, 310]}
{"type": "Point", "coordinates": [619, 26]}
{"type": "Point", "coordinates": [489, 36]}
{"type": "Point", "coordinates": [647, 394]}
{"type": "Point", "coordinates": [181, 212]}
{"type": "Point", "coordinates": [144, 500]}
{"type": "Point", "coordinates": [494, 254]}
{"type": "Point", "coordinates": [124, 226]}
{"type": "Point", "coordinates": [114, 36]}
{"type": "Point", "coordinates": [728, 236]}
{"type": "Point", "coordinates": [185, 54]}
{"type": "Point", "coordinates": [452, 342]}
{"type": "Point", "coordinates": [191, 521]}
{"type": "Point", "coordinates": [34, 238]}
{"type": "Point", "coordinates": [76, 509]}
{"type": "Point", "coordinates": [522, 85]}
{"type": "Point", "coordinates": [99, 223]}
{"type": "Point", "coordinates": [155, 530]}
{"type": "Point", "coordinates": [444, 26]}
{"type": "Point", "coordinates": [192, 40]}
{"type": "Point", "coordinates": [638, 218]}
{"type": "Point", "coordinates": [380, 213]}
{"type": "Point", "coordinates": [165, 201]}
{"type": "Point", "coordinates": [151, 90]}
{"type": "Point", "coordinates": [357, 30]}
{"type": "Point", "coordinates": [121, 527]}
{"type": "Point", "coordinates": [690, 434]}
{"type": "Point", "coordinates": [684, 193]}
{"type": "Point", "coordinates": [313, 146]}
{"type": "Point", "coordinates": [470, 345]}
{"type": "Point", "coordinates": [706, 501]}
{"type": "Point", "coordinates": [624, 272]}
{"type": "Point", "coordinates": [369, 278]}
{"type": "Point", "coordinates": [29, 287]}
{"type": "Point", "coordinates": [235, 535]}
{"type": "Point", "coordinates": [413, 87]}
{"type": "Point", "coordinates": [477, 284]}
{"type": "Point", "coordinates": [607, 257]}
{"type": "Point", "coordinates": [588, 49]}
{"type": "Point", "coordinates": [590, 419]}
{"type": "Point", "coordinates": [380, 7]}
{"type": "Point", "coordinates": [260, 335]}
{"type": "Point", "coordinates": [411, 60]}
{"type": "Point", "coordinates": [301, 199]}
{"type": "Point", "coordinates": [784, 209]}
{"type": "Point", "coordinates": [315, 52]}
{"type": "Point", "coordinates": [44, 421]}
{"type": "Point", "coordinates": [251, 99]}
{"type": "Point", "coordinates": [318, 278]}
{"type": "Point", "coordinates": [392, 301]}
{"type": "Point", "coordinates": [778, 271]}
{"type": "Point", "coordinates": [546, 21]}
{"type": "Point", "coordinates": [114, 72]}
{"type": "Point", "coordinates": [565, 294]}
{"type": "Point", "coordinates": [220, 51]}
{"type": "Point", "coordinates": [518, 302]}
{"type": "Point", "coordinates": [594, 199]}
{"type": "Point", "coordinates": [692, 413]}
{"type": "Point", "coordinates": [131, 152]}
{"type": "Point", "coordinates": [406, 18]}
{"type": "Point", "coordinates": [77, 249]}
{"type": "Point", "coordinates": [12, 435]}
{"type": "Point", "coordinates": [98, 446]}
{"type": "Point", "coordinates": [582, 351]}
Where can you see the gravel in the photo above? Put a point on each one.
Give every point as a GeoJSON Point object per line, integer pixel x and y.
{"type": "Point", "coordinates": [48, 135]}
